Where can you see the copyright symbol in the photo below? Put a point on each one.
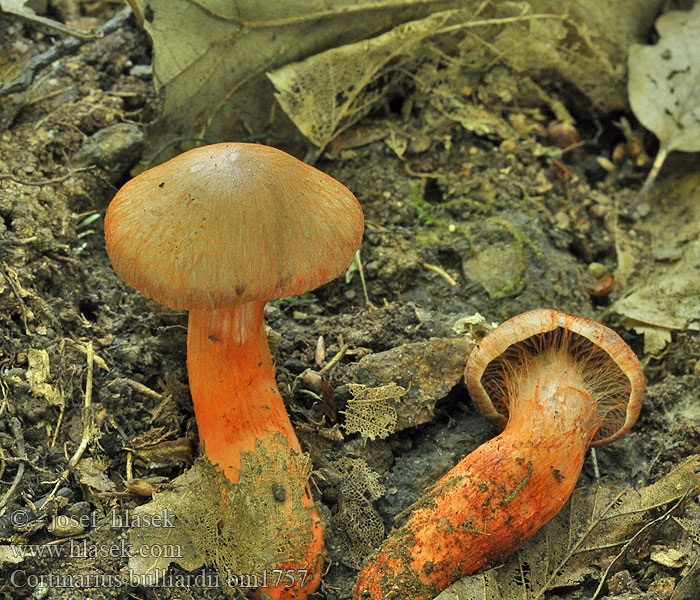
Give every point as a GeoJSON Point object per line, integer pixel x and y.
{"type": "Point", "coordinates": [19, 518]}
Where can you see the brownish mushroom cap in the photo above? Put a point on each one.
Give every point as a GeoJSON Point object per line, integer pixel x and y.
{"type": "Point", "coordinates": [611, 371]}
{"type": "Point", "coordinates": [231, 223]}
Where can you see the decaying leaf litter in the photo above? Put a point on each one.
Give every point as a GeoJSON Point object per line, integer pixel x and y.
{"type": "Point", "coordinates": [444, 151]}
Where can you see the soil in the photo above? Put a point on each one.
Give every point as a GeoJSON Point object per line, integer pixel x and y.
{"type": "Point", "coordinates": [512, 230]}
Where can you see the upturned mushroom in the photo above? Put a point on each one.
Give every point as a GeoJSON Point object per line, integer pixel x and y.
{"type": "Point", "coordinates": [555, 384]}
{"type": "Point", "coordinates": [219, 231]}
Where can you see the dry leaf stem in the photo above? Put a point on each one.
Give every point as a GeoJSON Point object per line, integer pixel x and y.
{"type": "Point", "coordinates": [61, 48]}
{"type": "Point", "coordinates": [16, 428]}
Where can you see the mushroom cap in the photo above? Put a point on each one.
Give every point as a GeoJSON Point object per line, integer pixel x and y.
{"type": "Point", "coordinates": [231, 223]}
{"type": "Point", "coordinates": [610, 369]}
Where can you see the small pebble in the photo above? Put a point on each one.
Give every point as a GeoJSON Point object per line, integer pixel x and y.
{"type": "Point", "coordinates": [294, 365]}
{"type": "Point", "coordinates": [669, 254]}
{"type": "Point", "coordinates": [141, 71]}
{"type": "Point", "coordinates": [115, 148]}
{"type": "Point", "coordinates": [597, 270]}
{"type": "Point", "coordinates": [78, 509]}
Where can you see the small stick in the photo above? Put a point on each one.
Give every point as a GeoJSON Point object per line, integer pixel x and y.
{"type": "Point", "coordinates": [595, 464]}
{"type": "Point", "coordinates": [16, 428]}
{"type": "Point", "coordinates": [440, 271]}
{"type": "Point", "coordinates": [59, 422]}
{"type": "Point", "coordinates": [41, 182]}
{"type": "Point", "coordinates": [358, 262]}
{"type": "Point", "coordinates": [144, 389]}
{"type": "Point", "coordinates": [17, 290]}
{"type": "Point", "coordinates": [88, 425]}
{"type": "Point", "coordinates": [99, 361]}
{"type": "Point", "coordinates": [651, 178]}
{"type": "Point", "coordinates": [61, 48]}
{"type": "Point", "coordinates": [335, 360]}
{"type": "Point", "coordinates": [320, 354]}
{"type": "Point", "coordinates": [129, 466]}
{"type": "Point", "coordinates": [5, 402]}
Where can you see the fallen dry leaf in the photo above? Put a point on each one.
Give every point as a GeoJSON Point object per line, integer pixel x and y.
{"type": "Point", "coordinates": [210, 57]}
{"type": "Point", "coordinates": [664, 85]}
{"type": "Point", "coordinates": [328, 92]}
{"type": "Point", "coordinates": [16, 7]}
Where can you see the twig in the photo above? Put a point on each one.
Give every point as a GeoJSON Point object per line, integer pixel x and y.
{"type": "Point", "coordinates": [594, 458]}
{"type": "Point", "coordinates": [59, 422]}
{"type": "Point", "coordinates": [88, 423]}
{"type": "Point", "coordinates": [129, 466]}
{"type": "Point", "coordinates": [651, 178]}
{"type": "Point", "coordinates": [358, 261]}
{"type": "Point", "coordinates": [40, 182]}
{"type": "Point", "coordinates": [99, 361]}
{"type": "Point", "coordinates": [88, 426]}
{"type": "Point", "coordinates": [140, 387]}
{"type": "Point", "coordinates": [5, 402]}
{"type": "Point", "coordinates": [16, 428]}
{"type": "Point", "coordinates": [335, 360]}
{"type": "Point", "coordinates": [61, 48]}
{"type": "Point", "coordinates": [440, 271]}
{"type": "Point", "coordinates": [17, 290]}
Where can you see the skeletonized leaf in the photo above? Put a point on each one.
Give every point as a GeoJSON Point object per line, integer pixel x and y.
{"type": "Point", "coordinates": [236, 527]}
{"type": "Point", "coordinates": [598, 521]}
{"type": "Point", "coordinates": [330, 91]}
{"type": "Point", "coordinates": [369, 413]}
{"type": "Point", "coordinates": [664, 85]}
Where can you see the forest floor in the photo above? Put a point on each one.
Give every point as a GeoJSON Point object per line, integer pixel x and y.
{"type": "Point", "coordinates": [461, 225]}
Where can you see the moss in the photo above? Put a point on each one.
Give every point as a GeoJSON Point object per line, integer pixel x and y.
{"type": "Point", "coordinates": [426, 214]}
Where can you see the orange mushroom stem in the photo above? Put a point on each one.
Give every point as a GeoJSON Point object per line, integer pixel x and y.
{"type": "Point", "coordinates": [559, 384]}
{"type": "Point", "coordinates": [232, 382]}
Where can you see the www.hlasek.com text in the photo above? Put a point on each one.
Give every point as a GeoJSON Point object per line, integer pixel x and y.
{"type": "Point", "coordinates": [86, 549]}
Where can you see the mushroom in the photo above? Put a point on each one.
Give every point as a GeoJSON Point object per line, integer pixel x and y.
{"type": "Point", "coordinates": [219, 231]}
{"type": "Point", "coordinates": [555, 384]}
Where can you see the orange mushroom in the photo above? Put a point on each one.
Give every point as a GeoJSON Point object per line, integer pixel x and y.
{"type": "Point", "coordinates": [219, 231]}
{"type": "Point", "coordinates": [558, 384]}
